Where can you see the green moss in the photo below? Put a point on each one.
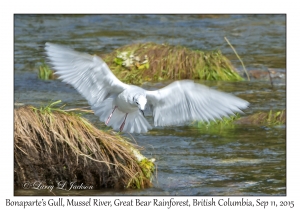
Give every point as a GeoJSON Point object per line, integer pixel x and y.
{"type": "Point", "coordinates": [147, 167]}
{"type": "Point", "coordinates": [145, 177]}
{"type": "Point", "coordinates": [218, 126]}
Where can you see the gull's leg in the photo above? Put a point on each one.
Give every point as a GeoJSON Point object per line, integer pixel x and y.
{"type": "Point", "coordinates": [122, 126]}
{"type": "Point", "coordinates": [142, 112]}
{"type": "Point", "coordinates": [107, 121]}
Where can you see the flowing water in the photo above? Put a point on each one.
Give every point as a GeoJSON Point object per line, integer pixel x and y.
{"type": "Point", "coordinates": [241, 160]}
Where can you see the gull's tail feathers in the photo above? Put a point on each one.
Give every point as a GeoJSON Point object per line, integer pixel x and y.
{"type": "Point", "coordinates": [135, 121]}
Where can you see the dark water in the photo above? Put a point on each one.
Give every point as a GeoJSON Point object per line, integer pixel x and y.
{"type": "Point", "coordinates": [243, 160]}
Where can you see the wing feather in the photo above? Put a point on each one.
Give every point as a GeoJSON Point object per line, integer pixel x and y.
{"type": "Point", "coordinates": [185, 101]}
{"type": "Point", "coordinates": [88, 74]}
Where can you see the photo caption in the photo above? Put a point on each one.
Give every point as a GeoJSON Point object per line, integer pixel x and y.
{"type": "Point", "coordinates": [168, 203]}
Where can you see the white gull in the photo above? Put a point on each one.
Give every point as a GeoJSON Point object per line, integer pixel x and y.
{"type": "Point", "coordinates": [121, 106]}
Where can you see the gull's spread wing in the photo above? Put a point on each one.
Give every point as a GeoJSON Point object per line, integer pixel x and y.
{"type": "Point", "coordinates": [185, 101]}
{"type": "Point", "coordinates": [88, 74]}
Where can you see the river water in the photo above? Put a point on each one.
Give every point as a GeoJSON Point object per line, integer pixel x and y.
{"type": "Point", "coordinates": [242, 160]}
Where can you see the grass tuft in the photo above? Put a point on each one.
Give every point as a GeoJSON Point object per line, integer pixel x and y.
{"type": "Point", "coordinates": [270, 118]}
{"type": "Point", "coordinates": [218, 126]}
{"type": "Point", "coordinates": [55, 145]}
{"type": "Point", "coordinates": [265, 118]}
{"type": "Point", "coordinates": [166, 62]}
{"type": "Point", "coordinates": [45, 73]}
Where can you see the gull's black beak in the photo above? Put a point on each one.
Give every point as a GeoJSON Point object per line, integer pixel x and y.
{"type": "Point", "coordinates": [142, 112]}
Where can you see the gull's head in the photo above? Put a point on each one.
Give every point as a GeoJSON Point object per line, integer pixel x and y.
{"type": "Point", "coordinates": [140, 101]}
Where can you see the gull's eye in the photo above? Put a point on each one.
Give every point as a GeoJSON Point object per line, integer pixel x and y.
{"type": "Point", "coordinates": [137, 103]}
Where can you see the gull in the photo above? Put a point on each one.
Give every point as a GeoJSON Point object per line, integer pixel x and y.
{"type": "Point", "coordinates": [122, 106]}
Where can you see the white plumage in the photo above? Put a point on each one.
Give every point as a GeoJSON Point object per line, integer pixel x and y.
{"type": "Point", "coordinates": [121, 106]}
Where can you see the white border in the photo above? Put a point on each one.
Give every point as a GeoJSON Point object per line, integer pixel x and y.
{"type": "Point", "coordinates": [154, 6]}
